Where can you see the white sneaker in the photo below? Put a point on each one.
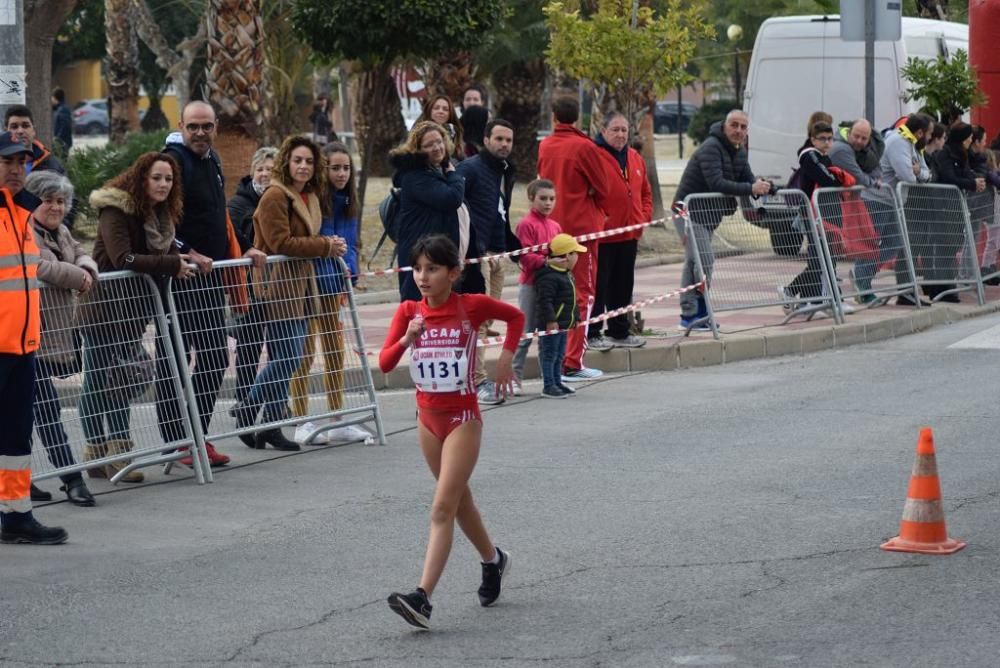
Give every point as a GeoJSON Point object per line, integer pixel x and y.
{"type": "Point", "coordinates": [304, 431]}
{"type": "Point", "coordinates": [348, 434]}
{"type": "Point", "coordinates": [848, 308]}
{"type": "Point", "coordinates": [517, 387]}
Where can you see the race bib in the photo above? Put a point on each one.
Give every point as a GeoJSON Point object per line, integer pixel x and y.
{"type": "Point", "coordinates": [439, 369]}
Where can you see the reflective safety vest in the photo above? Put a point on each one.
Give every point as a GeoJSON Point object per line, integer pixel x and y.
{"type": "Point", "coordinates": [20, 317]}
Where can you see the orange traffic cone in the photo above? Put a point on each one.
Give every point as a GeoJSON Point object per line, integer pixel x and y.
{"type": "Point", "coordinates": [922, 528]}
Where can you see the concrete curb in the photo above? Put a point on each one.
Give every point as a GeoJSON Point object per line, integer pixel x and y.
{"type": "Point", "coordinates": [693, 353]}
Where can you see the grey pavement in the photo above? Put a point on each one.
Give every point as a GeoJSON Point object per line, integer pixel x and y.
{"type": "Point", "coordinates": [728, 515]}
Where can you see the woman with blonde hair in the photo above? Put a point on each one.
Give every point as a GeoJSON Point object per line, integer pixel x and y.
{"type": "Point", "coordinates": [431, 191]}
{"type": "Point", "coordinates": [287, 222]}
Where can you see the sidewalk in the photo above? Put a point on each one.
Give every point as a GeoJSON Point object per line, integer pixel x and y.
{"type": "Point", "coordinates": [745, 334]}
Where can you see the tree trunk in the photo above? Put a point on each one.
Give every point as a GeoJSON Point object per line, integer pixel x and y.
{"type": "Point", "coordinates": [378, 125]}
{"type": "Point", "coordinates": [235, 78]}
{"type": "Point", "coordinates": [378, 120]}
{"type": "Point", "coordinates": [450, 74]}
{"type": "Point", "coordinates": [520, 87]}
{"type": "Point", "coordinates": [176, 63]}
{"type": "Point", "coordinates": [123, 69]}
{"type": "Point", "coordinates": [42, 20]}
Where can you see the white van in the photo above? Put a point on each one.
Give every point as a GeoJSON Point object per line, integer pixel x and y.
{"type": "Point", "coordinates": [800, 65]}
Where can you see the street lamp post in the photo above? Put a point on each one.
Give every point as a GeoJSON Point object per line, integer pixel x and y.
{"type": "Point", "coordinates": [734, 32]}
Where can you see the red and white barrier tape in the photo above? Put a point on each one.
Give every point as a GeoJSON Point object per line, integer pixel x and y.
{"type": "Point", "coordinates": [498, 340]}
{"type": "Point", "coordinates": [530, 249]}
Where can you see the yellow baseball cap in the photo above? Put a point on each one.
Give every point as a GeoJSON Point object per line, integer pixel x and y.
{"type": "Point", "coordinates": [562, 244]}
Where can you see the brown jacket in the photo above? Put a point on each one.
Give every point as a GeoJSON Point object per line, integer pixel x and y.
{"type": "Point", "coordinates": [121, 245]}
{"type": "Point", "coordinates": [62, 269]}
{"type": "Point", "coordinates": [284, 225]}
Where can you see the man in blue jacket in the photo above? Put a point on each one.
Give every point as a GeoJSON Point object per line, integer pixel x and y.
{"type": "Point", "coordinates": [489, 182]}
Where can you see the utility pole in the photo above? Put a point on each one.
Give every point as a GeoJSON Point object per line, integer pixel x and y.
{"type": "Point", "coordinates": [12, 75]}
{"type": "Point", "coordinates": [870, 61]}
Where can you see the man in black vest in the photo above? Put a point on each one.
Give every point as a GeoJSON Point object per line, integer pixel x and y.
{"type": "Point", "coordinates": [201, 301]}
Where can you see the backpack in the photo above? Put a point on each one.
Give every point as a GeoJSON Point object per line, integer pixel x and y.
{"type": "Point", "coordinates": [388, 213]}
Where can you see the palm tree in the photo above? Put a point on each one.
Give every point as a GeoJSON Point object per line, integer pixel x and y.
{"type": "Point", "coordinates": [514, 59]}
{"type": "Point", "coordinates": [450, 74]}
{"type": "Point", "coordinates": [236, 82]}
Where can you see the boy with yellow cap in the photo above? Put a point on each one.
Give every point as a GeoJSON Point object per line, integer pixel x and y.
{"type": "Point", "coordinates": [555, 305]}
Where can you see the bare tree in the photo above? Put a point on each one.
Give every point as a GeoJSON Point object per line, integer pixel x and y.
{"type": "Point", "coordinates": [122, 46]}
{"type": "Point", "coordinates": [177, 62]}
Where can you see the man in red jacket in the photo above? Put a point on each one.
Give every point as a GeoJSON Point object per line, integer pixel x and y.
{"type": "Point", "coordinates": [572, 161]}
{"type": "Point", "coordinates": [629, 201]}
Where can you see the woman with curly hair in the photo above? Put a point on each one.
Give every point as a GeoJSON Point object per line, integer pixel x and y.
{"type": "Point", "coordinates": [137, 215]}
{"type": "Point", "coordinates": [440, 110]}
{"type": "Point", "coordinates": [287, 222]}
{"type": "Point", "coordinates": [430, 192]}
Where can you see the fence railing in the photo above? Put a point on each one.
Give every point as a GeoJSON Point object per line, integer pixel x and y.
{"type": "Point", "coordinates": [139, 372]}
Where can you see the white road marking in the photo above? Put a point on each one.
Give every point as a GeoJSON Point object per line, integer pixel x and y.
{"type": "Point", "coordinates": [988, 339]}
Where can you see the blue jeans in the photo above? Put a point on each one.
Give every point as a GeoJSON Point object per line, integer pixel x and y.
{"type": "Point", "coordinates": [890, 242]}
{"type": "Point", "coordinates": [551, 351]}
{"type": "Point", "coordinates": [100, 405]}
{"type": "Point", "coordinates": [285, 341]}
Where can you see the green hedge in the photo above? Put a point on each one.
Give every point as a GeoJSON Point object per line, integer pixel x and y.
{"type": "Point", "coordinates": [88, 168]}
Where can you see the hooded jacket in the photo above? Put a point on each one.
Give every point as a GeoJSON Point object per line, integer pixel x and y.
{"type": "Point", "coordinates": [629, 199]}
{"type": "Point", "coordinates": [489, 184]}
{"type": "Point", "coordinates": [859, 164]}
{"type": "Point", "coordinates": [715, 167]}
{"type": "Point", "coordinates": [43, 160]}
{"type": "Point", "coordinates": [898, 158]}
{"type": "Point", "coordinates": [953, 168]}
{"type": "Point", "coordinates": [428, 204]}
{"type": "Point", "coordinates": [571, 160]}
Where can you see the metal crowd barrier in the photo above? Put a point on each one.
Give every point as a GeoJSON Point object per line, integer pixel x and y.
{"type": "Point", "coordinates": [333, 384]}
{"type": "Point", "coordinates": [864, 233]}
{"type": "Point", "coordinates": [750, 252]}
{"type": "Point", "coordinates": [136, 373]}
{"type": "Point", "coordinates": [941, 240]}
{"type": "Point", "coordinates": [105, 365]}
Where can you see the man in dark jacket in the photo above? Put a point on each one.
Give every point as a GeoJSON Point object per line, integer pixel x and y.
{"type": "Point", "coordinates": [720, 165]}
{"type": "Point", "coordinates": [62, 120]}
{"type": "Point", "coordinates": [19, 122]}
{"type": "Point", "coordinates": [203, 235]}
{"type": "Point", "coordinates": [489, 183]}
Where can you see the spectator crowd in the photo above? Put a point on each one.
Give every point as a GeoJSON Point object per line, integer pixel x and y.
{"type": "Point", "coordinates": [167, 217]}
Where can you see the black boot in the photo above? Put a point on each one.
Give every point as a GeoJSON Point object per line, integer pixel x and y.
{"type": "Point", "coordinates": [78, 494]}
{"type": "Point", "coordinates": [30, 531]}
{"type": "Point", "coordinates": [39, 494]}
{"type": "Point", "coordinates": [276, 440]}
{"type": "Point", "coordinates": [246, 417]}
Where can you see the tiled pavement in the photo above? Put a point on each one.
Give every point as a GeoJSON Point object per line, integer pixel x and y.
{"type": "Point", "coordinates": [745, 333]}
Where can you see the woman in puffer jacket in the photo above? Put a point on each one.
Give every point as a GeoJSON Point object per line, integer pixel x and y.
{"type": "Point", "coordinates": [65, 269]}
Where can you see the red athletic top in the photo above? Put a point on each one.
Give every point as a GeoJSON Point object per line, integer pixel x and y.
{"type": "Point", "coordinates": [454, 324]}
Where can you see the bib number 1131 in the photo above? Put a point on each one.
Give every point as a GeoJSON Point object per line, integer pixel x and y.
{"type": "Point", "coordinates": [440, 370]}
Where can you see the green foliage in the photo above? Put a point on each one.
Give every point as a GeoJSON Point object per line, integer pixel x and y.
{"type": "Point", "coordinates": [82, 35]}
{"type": "Point", "coordinates": [710, 112]}
{"type": "Point", "coordinates": [381, 31]}
{"type": "Point", "coordinates": [608, 51]}
{"type": "Point", "coordinates": [88, 168]}
{"type": "Point", "coordinates": [523, 36]}
{"type": "Point", "coordinates": [948, 87]}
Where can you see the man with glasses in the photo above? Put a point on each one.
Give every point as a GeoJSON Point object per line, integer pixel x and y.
{"type": "Point", "coordinates": [720, 165]}
{"type": "Point", "coordinates": [205, 235]}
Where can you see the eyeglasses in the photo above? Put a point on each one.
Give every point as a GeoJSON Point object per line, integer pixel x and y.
{"type": "Point", "coordinates": [203, 128]}
{"type": "Point", "coordinates": [432, 145]}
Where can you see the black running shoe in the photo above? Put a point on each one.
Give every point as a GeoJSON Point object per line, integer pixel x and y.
{"type": "Point", "coordinates": [413, 607]}
{"type": "Point", "coordinates": [493, 575]}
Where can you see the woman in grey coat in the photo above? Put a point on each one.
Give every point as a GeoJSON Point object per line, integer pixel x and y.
{"type": "Point", "coordinates": [65, 270]}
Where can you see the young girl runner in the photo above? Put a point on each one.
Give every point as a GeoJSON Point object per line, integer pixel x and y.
{"type": "Point", "coordinates": [441, 330]}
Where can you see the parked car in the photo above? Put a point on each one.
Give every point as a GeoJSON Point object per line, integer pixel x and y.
{"type": "Point", "coordinates": [667, 118]}
{"type": "Point", "coordinates": [90, 117]}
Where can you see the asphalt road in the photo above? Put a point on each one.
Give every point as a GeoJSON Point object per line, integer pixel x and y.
{"type": "Point", "coordinates": [721, 516]}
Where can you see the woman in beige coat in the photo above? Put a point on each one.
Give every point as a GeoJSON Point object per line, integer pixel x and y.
{"type": "Point", "coordinates": [287, 222]}
{"type": "Point", "coordinates": [65, 269]}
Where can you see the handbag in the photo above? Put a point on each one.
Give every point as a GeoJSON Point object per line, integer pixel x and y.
{"type": "Point", "coordinates": [131, 373]}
